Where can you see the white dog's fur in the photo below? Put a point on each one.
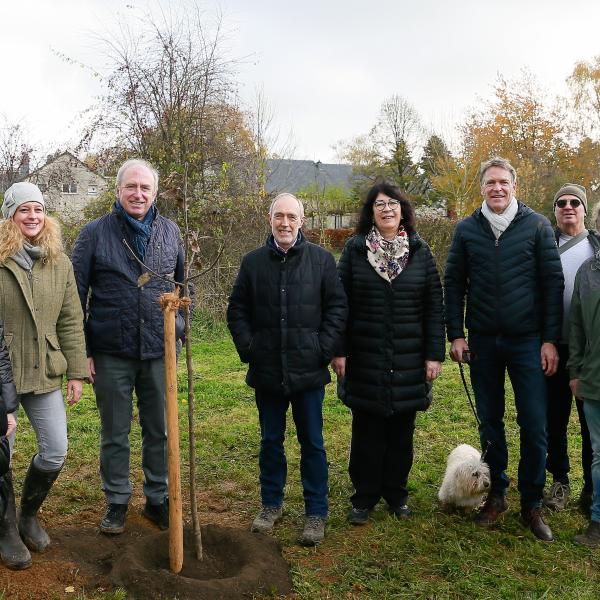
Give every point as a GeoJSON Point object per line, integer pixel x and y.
{"type": "Point", "coordinates": [467, 478]}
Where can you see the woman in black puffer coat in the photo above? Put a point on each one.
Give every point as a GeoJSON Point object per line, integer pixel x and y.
{"type": "Point", "coordinates": [393, 347]}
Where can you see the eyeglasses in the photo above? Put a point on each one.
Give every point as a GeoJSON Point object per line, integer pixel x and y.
{"type": "Point", "coordinates": [393, 204]}
{"type": "Point", "coordinates": [574, 202]}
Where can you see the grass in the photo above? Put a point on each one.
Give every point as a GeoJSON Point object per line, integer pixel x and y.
{"type": "Point", "coordinates": [436, 555]}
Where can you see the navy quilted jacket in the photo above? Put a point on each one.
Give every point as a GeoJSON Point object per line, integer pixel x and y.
{"type": "Point", "coordinates": [513, 286]}
{"type": "Point", "coordinates": [286, 313]}
{"type": "Point", "coordinates": [392, 329]}
{"type": "Point", "coordinates": [122, 318]}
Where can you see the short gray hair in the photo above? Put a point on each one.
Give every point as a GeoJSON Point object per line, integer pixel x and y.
{"type": "Point", "coordinates": [497, 161]}
{"type": "Point", "coordinates": [137, 162]}
{"type": "Point", "coordinates": [596, 216]}
{"type": "Point", "coordinates": [283, 195]}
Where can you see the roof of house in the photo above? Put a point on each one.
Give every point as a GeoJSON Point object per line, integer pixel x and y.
{"type": "Point", "coordinates": [292, 175]}
{"type": "Point", "coordinates": [55, 158]}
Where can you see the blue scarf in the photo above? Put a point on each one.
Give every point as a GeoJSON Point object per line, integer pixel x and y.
{"type": "Point", "coordinates": [140, 230]}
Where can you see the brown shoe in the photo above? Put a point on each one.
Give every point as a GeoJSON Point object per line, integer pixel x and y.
{"type": "Point", "coordinates": [494, 506]}
{"type": "Point", "coordinates": [590, 537]}
{"type": "Point", "coordinates": [534, 519]}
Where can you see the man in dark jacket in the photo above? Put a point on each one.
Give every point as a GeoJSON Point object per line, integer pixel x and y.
{"type": "Point", "coordinates": [124, 334]}
{"type": "Point", "coordinates": [504, 261]}
{"type": "Point", "coordinates": [286, 313]}
{"type": "Point", "coordinates": [575, 245]}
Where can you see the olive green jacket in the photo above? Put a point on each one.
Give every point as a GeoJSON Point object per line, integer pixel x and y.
{"type": "Point", "coordinates": [43, 324]}
{"type": "Point", "coordinates": [584, 332]}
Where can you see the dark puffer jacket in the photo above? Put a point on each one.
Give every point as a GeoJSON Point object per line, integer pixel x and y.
{"type": "Point", "coordinates": [286, 313]}
{"type": "Point", "coordinates": [513, 285]}
{"type": "Point", "coordinates": [122, 318]}
{"type": "Point", "coordinates": [8, 392]}
{"type": "Point", "coordinates": [392, 329]}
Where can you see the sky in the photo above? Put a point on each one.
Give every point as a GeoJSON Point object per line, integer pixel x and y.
{"type": "Point", "coordinates": [324, 66]}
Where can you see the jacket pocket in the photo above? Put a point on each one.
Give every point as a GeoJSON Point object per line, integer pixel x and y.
{"type": "Point", "coordinates": [104, 331]}
{"type": "Point", "coordinates": [56, 363]}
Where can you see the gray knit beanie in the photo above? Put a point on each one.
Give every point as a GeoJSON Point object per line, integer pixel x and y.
{"type": "Point", "coordinates": [19, 193]}
{"type": "Point", "coordinates": [572, 189]}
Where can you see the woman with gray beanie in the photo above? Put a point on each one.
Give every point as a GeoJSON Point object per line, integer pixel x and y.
{"type": "Point", "coordinates": [43, 329]}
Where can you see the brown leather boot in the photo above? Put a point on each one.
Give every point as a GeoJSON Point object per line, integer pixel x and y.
{"type": "Point", "coordinates": [494, 506]}
{"type": "Point", "coordinates": [534, 519]}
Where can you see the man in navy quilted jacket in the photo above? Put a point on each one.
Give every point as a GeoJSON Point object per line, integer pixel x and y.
{"type": "Point", "coordinates": [124, 334]}
{"type": "Point", "coordinates": [504, 261]}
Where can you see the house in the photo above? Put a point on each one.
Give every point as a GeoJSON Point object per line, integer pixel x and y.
{"type": "Point", "coordinates": [68, 185]}
{"type": "Point", "coordinates": [308, 177]}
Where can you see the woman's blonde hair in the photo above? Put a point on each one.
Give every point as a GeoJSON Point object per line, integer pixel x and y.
{"type": "Point", "coordinates": [49, 239]}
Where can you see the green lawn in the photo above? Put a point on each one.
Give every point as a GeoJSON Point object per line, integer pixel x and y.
{"type": "Point", "coordinates": [434, 555]}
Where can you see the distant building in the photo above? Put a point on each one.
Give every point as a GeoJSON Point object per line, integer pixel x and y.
{"type": "Point", "coordinates": [68, 185]}
{"type": "Point", "coordinates": [290, 175]}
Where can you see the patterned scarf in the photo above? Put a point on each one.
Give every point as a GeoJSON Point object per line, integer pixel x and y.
{"type": "Point", "coordinates": [388, 258]}
{"type": "Point", "coordinates": [140, 230]}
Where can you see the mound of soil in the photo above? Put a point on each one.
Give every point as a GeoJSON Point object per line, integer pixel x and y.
{"type": "Point", "coordinates": [81, 560]}
{"type": "Point", "coordinates": [236, 564]}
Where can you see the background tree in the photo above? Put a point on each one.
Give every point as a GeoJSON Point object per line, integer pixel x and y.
{"type": "Point", "coordinates": [15, 153]}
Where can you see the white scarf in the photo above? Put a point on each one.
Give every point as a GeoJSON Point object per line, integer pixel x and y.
{"type": "Point", "coordinates": [500, 222]}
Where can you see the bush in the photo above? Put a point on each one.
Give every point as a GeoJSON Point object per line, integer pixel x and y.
{"type": "Point", "coordinates": [333, 239]}
{"type": "Point", "coordinates": [437, 232]}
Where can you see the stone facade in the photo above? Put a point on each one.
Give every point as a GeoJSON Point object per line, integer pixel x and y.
{"type": "Point", "coordinates": [67, 184]}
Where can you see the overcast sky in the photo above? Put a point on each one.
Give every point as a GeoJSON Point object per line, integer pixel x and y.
{"type": "Point", "coordinates": [325, 66]}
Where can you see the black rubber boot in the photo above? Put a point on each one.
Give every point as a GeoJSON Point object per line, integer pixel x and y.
{"type": "Point", "coordinates": [35, 489]}
{"type": "Point", "coordinates": [13, 552]}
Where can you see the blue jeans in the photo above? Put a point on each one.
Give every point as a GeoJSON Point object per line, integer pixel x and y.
{"type": "Point", "coordinates": [492, 356]}
{"type": "Point", "coordinates": [592, 416]}
{"type": "Point", "coordinates": [307, 411]}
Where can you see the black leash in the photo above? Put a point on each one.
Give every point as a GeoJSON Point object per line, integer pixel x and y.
{"type": "Point", "coordinates": [464, 380]}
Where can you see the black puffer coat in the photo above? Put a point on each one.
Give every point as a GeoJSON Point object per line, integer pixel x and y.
{"type": "Point", "coordinates": [392, 329]}
{"type": "Point", "coordinates": [122, 318]}
{"type": "Point", "coordinates": [8, 392]}
{"type": "Point", "coordinates": [513, 285]}
{"type": "Point", "coordinates": [286, 313]}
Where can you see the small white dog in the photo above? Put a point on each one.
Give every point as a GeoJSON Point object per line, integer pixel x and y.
{"type": "Point", "coordinates": [467, 478]}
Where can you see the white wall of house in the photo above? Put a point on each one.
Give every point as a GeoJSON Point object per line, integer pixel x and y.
{"type": "Point", "coordinates": [68, 185]}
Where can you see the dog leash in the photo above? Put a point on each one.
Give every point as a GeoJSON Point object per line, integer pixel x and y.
{"type": "Point", "coordinates": [464, 380]}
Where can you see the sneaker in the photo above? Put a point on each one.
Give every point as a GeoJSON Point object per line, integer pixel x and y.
{"type": "Point", "coordinates": [358, 516]}
{"type": "Point", "coordinates": [114, 519]}
{"type": "Point", "coordinates": [494, 506]}
{"type": "Point", "coordinates": [401, 512]}
{"type": "Point", "coordinates": [557, 496]}
{"type": "Point", "coordinates": [266, 519]}
{"type": "Point", "coordinates": [158, 513]}
{"type": "Point", "coordinates": [314, 531]}
{"type": "Point", "coordinates": [590, 537]}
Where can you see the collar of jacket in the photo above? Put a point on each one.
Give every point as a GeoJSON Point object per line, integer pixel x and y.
{"type": "Point", "coordinates": [593, 237]}
{"type": "Point", "coordinates": [297, 247]}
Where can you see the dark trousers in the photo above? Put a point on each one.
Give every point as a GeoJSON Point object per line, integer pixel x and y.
{"type": "Point", "coordinates": [560, 401]}
{"type": "Point", "coordinates": [381, 456]}
{"type": "Point", "coordinates": [307, 412]}
{"type": "Point", "coordinates": [116, 379]}
{"type": "Point", "coordinates": [492, 356]}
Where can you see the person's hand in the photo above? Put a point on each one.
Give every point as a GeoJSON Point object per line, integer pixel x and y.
{"type": "Point", "coordinates": [74, 390]}
{"type": "Point", "coordinates": [338, 364]}
{"type": "Point", "coordinates": [549, 356]}
{"type": "Point", "coordinates": [91, 369]}
{"type": "Point", "coordinates": [458, 347]}
{"type": "Point", "coordinates": [573, 385]}
{"type": "Point", "coordinates": [12, 424]}
{"type": "Point", "coordinates": [433, 368]}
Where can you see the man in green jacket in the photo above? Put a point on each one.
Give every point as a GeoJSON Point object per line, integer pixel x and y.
{"type": "Point", "coordinates": [584, 370]}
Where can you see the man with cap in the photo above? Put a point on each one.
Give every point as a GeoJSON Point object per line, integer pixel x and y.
{"type": "Point", "coordinates": [575, 245]}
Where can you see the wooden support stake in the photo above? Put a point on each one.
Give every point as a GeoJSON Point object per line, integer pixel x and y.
{"type": "Point", "coordinates": [170, 303]}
